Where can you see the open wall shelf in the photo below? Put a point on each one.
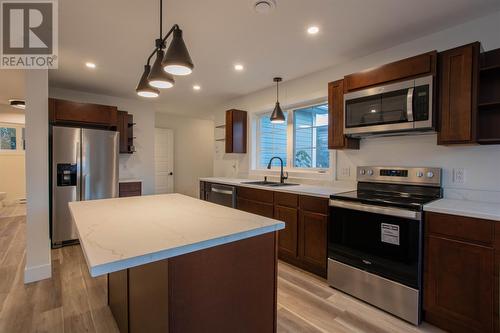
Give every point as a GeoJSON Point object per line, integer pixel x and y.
{"type": "Point", "coordinates": [488, 112]}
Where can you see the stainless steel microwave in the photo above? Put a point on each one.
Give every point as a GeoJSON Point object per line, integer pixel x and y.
{"type": "Point", "coordinates": [398, 107]}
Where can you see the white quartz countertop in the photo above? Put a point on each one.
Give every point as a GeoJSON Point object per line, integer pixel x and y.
{"type": "Point", "coordinates": [476, 209]}
{"type": "Point", "coordinates": [317, 191]}
{"type": "Point", "coordinates": [120, 233]}
{"type": "Point", "coordinates": [130, 180]}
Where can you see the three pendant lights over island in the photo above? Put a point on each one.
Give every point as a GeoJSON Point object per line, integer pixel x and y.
{"type": "Point", "coordinates": [177, 61]}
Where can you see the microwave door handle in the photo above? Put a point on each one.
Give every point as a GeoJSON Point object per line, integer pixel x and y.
{"type": "Point", "coordinates": [409, 104]}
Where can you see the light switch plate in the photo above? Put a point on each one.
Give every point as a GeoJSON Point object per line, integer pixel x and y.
{"type": "Point", "coordinates": [459, 176]}
{"type": "Point", "coordinates": [345, 172]}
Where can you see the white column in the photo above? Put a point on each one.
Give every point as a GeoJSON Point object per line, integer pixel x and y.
{"type": "Point", "coordinates": [38, 263]}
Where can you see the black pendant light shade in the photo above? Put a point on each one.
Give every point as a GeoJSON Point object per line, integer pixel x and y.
{"type": "Point", "coordinates": [158, 78]}
{"type": "Point", "coordinates": [277, 117]}
{"type": "Point", "coordinates": [143, 88]}
{"type": "Point", "coordinates": [177, 60]}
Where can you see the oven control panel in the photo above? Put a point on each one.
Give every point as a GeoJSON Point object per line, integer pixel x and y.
{"type": "Point", "coordinates": [400, 175]}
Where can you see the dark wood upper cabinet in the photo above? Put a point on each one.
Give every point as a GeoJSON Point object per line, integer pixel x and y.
{"type": "Point", "coordinates": [236, 131]}
{"type": "Point", "coordinates": [336, 137]}
{"type": "Point", "coordinates": [74, 113]}
{"type": "Point", "coordinates": [459, 274]}
{"type": "Point", "coordinates": [457, 96]}
{"type": "Point", "coordinates": [420, 65]}
{"type": "Point", "coordinates": [125, 126]}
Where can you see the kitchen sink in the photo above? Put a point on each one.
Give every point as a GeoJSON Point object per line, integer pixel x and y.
{"type": "Point", "coordinates": [267, 183]}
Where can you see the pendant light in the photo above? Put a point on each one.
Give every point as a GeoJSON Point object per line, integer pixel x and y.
{"type": "Point", "coordinates": [277, 117]}
{"type": "Point", "coordinates": [177, 61]}
{"type": "Point", "coordinates": [143, 88]}
{"type": "Point", "coordinates": [158, 78]}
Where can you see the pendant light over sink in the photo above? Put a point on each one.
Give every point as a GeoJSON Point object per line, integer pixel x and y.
{"type": "Point", "coordinates": [277, 117]}
{"type": "Point", "coordinates": [176, 61]}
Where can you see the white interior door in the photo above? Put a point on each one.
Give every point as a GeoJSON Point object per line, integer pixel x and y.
{"type": "Point", "coordinates": [164, 160]}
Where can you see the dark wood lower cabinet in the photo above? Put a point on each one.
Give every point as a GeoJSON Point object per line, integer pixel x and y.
{"type": "Point", "coordinates": [129, 189]}
{"type": "Point", "coordinates": [303, 242]}
{"type": "Point", "coordinates": [460, 287]}
{"type": "Point", "coordinates": [313, 241]}
{"type": "Point", "coordinates": [287, 238]}
{"type": "Point", "coordinates": [227, 288]}
{"type": "Point", "coordinates": [255, 207]}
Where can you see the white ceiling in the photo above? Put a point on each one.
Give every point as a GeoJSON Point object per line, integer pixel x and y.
{"type": "Point", "coordinates": [118, 35]}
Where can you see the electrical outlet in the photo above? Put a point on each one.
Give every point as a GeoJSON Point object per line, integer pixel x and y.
{"type": "Point", "coordinates": [345, 172]}
{"type": "Point", "coordinates": [459, 175]}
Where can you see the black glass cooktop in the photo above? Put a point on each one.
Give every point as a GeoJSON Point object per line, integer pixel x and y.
{"type": "Point", "coordinates": [403, 196]}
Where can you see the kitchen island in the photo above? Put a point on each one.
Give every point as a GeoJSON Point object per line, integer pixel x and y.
{"type": "Point", "coordinates": [179, 264]}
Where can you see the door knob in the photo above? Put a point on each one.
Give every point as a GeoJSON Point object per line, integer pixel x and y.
{"type": "Point", "coordinates": [171, 173]}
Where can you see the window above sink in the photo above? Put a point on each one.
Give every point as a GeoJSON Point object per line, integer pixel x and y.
{"type": "Point", "coordinates": [302, 143]}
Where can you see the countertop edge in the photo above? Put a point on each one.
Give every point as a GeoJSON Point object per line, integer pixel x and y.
{"type": "Point", "coordinates": [448, 211]}
{"type": "Point", "coordinates": [115, 266]}
{"type": "Point", "coordinates": [290, 189]}
{"type": "Point", "coordinates": [461, 208]}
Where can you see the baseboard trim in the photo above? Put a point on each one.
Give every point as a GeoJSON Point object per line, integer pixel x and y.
{"type": "Point", "coordinates": [37, 273]}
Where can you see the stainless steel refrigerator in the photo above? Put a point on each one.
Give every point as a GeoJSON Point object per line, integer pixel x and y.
{"type": "Point", "coordinates": [84, 167]}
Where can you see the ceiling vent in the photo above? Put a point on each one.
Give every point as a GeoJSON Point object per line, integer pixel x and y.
{"type": "Point", "coordinates": [264, 6]}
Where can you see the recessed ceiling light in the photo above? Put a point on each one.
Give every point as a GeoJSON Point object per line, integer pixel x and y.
{"type": "Point", "coordinates": [90, 65]}
{"type": "Point", "coordinates": [196, 87]}
{"type": "Point", "coordinates": [239, 67]}
{"type": "Point", "coordinates": [17, 103]}
{"type": "Point", "coordinates": [312, 30]}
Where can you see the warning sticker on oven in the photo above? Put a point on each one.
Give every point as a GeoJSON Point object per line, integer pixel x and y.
{"type": "Point", "coordinates": [390, 233]}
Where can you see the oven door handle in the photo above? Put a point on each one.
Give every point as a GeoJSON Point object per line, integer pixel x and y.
{"type": "Point", "coordinates": [391, 211]}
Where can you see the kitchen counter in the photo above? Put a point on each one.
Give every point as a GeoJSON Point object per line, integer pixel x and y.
{"type": "Point", "coordinates": [120, 233]}
{"type": "Point", "coordinates": [475, 209]}
{"type": "Point", "coordinates": [130, 180]}
{"type": "Point", "coordinates": [312, 190]}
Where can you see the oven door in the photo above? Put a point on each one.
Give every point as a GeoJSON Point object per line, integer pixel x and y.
{"type": "Point", "coordinates": [387, 245]}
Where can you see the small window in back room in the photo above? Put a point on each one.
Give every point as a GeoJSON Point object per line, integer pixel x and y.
{"type": "Point", "coordinates": [310, 128]}
{"type": "Point", "coordinates": [8, 138]}
{"type": "Point", "coordinates": [271, 141]}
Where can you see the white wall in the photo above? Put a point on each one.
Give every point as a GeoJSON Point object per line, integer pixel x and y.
{"type": "Point", "coordinates": [12, 173]}
{"type": "Point", "coordinates": [10, 115]}
{"type": "Point", "coordinates": [140, 164]}
{"type": "Point", "coordinates": [193, 147]}
{"type": "Point", "coordinates": [38, 264]}
{"type": "Point", "coordinates": [481, 163]}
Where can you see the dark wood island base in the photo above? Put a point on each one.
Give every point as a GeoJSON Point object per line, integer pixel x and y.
{"type": "Point", "coordinates": [226, 288]}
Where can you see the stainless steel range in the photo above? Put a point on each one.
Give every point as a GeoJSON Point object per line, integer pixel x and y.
{"type": "Point", "coordinates": [375, 238]}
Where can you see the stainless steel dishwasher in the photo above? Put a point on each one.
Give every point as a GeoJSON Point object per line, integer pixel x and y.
{"type": "Point", "coordinates": [224, 195]}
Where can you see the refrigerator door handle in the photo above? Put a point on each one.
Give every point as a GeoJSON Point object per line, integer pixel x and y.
{"type": "Point", "coordinates": [78, 181]}
{"type": "Point", "coordinates": [84, 186]}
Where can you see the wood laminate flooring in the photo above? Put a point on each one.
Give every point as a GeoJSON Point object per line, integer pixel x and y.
{"type": "Point", "coordinates": [72, 301]}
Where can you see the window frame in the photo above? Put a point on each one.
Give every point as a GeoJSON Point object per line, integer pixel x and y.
{"type": "Point", "coordinates": [310, 173]}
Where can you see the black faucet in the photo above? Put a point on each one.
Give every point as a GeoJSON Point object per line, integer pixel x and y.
{"type": "Point", "coordinates": [282, 174]}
